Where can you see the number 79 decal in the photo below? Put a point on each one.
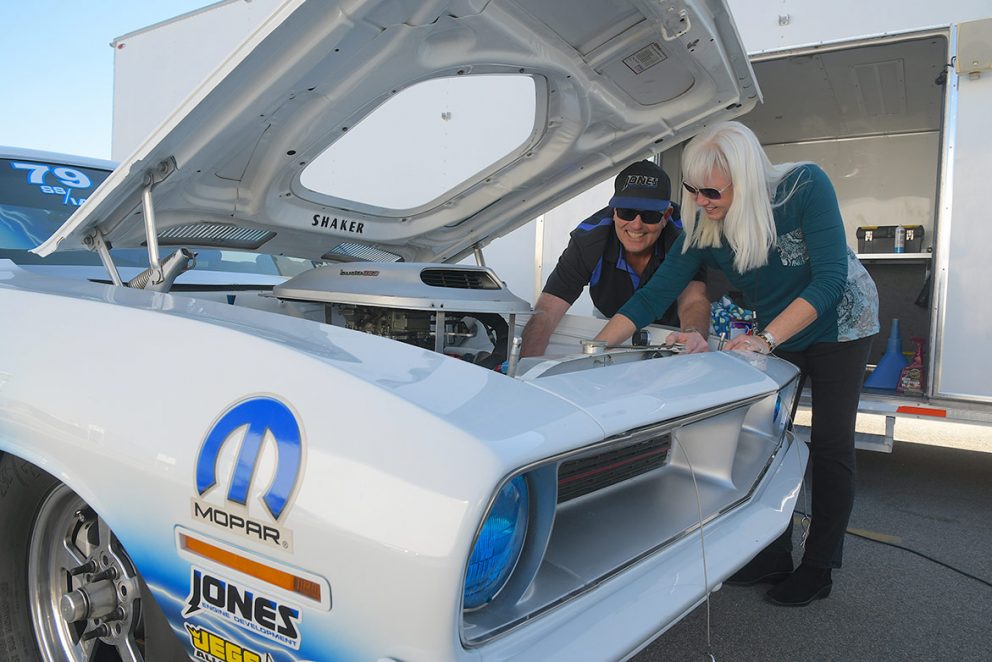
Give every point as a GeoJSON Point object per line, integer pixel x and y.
{"type": "Point", "coordinates": [68, 177]}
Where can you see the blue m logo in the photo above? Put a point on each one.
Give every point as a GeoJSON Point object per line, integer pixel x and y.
{"type": "Point", "coordinates": [259, 415]}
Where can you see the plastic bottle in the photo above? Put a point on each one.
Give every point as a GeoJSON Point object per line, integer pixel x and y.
{"type": "Point", "coordinates": [889, 368]}
{"type": "Point", "coordinates": [911, 379]}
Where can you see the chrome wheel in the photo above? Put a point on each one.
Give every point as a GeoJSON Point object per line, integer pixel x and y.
{"type": "Point", "coordinates": [84, 592]}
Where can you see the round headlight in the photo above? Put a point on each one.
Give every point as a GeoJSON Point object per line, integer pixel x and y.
{"type": "Point", "coordinates": [499, 544]}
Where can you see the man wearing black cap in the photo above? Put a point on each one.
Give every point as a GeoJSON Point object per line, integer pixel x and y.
{"type": "Point", "coordinates": [615, 251]}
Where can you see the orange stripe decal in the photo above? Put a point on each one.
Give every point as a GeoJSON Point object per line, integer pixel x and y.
{"type": "Point", "coordinates": [270, 575]}
{"type": "Point", "coordinates": [922, 411]}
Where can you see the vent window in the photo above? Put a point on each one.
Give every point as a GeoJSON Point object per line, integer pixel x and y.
{"type": "Point", "coordinates": [462, 279]}
{"type": "Point", "coordinates": [352, 252]}
{"type": "Point", "coordinates": [215, 234]}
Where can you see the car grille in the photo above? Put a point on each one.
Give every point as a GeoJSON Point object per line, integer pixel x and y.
{"type": "Point", "coordinates": [589, 474]}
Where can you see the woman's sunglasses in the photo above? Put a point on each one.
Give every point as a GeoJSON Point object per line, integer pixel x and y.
{"type": "Point", "coordinates": [648, 217]}
{"type": "Point", "coordinates": [708, 193]}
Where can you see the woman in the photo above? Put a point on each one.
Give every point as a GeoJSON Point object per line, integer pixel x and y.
{"type": "Point", "coordinates": [777, 233]}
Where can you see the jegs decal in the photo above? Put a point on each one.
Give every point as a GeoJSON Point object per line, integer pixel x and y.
{"type": "Point", "coordinates": [211, 647]}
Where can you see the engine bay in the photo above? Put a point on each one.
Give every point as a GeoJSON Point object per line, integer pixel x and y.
{"type": "Point", "coordinates": [462, 311]}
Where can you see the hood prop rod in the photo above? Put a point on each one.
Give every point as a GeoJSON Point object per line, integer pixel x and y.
{"type": "Point", "coordinates": [152, 178]}
{"type": "Point", "coordinates": [151, 234]}
{"type": "Point", "coordinates": [96, 242]}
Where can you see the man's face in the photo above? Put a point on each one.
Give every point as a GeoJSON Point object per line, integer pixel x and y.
{"type": "Point", "coordinates": [636, 236]}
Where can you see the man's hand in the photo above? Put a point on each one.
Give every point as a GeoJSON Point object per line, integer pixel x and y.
{"type": "Point", "coordinates": [693, 341]}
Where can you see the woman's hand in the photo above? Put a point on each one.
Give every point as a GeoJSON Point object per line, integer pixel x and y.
{"type": "Point", "coordinates": [745, 343]}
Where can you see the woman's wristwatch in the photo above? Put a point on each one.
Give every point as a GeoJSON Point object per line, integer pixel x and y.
{"type": "Point", "coordinates": [767, 336]}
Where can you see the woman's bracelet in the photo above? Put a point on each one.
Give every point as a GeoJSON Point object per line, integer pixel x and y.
{"type": "Point", "coordinates": [767, 336]}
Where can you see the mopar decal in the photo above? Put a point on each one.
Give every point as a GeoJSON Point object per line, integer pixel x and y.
{"type": "Point", "coordinates": [212, 647]}
{"type": "Point", "coordinates": [254, 420]}
{"type": "Point", "coordinates": [245, 607]}
{"type": "Point", "coordinates": [246, 526]}
{"type": "Point", "coordinates": [335, 223]}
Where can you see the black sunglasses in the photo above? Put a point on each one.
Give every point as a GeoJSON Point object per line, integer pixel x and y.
{"type": "Point", "coordinates": [708, 193]}
{"type": "Point", "coordinates": [648, 217]}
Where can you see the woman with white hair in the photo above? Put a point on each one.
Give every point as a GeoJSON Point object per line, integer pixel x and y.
{"type": "Point", "coordinates": [777, 233]}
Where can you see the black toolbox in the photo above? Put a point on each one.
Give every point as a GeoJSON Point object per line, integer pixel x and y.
{"type": "Point", "coordinates": [882, 238]}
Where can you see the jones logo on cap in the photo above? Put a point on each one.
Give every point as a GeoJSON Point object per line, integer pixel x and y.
{"type": "Point", "coordinates": [642, 181]}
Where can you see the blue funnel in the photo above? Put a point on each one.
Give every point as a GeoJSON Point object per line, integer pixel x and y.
{"type": "Point", "coordinates": [886, 373]}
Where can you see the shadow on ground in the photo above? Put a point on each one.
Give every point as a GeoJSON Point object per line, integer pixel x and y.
{"type": "Point", "coordinates": [887, 603]}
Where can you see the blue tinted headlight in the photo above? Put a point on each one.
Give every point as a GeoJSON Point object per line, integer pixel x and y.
{"type": "Point", "coordinates": [499, 544]}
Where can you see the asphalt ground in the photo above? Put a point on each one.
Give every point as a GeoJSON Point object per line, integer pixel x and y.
{"type": "Point", "coordinates": [933, 494]}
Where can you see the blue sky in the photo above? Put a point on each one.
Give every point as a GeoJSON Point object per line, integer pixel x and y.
{"type": "Point", "coordinates": [58, 68]}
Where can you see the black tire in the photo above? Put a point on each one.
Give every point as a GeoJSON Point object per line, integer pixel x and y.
{"type": "Point", "coordinates": [23, 487]}
{"type": "Point", "coordinates": [28, 499]}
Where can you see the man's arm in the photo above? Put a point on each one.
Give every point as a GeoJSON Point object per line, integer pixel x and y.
{"type": "Point", "coordinates": [618, 329]}
{"type": "Point", "coordinates": [694, 313]}
{"type": "Point", "coordinates": [547, 314]}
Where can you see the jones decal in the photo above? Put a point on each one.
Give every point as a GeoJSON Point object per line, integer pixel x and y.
{"type": "Point", "coordinates": [335, 223]}
{"type": "Point", "coordinates": [212, 647]}
{"type": "Point", "coordinates": [645, 181]}
{"type": "Point", "coordinates": [244, 607]}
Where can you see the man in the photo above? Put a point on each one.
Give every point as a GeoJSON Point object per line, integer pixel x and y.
{"type": "Point", "coordinates": [615, 251]}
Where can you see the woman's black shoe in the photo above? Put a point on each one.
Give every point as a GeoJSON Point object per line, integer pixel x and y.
{"type": "Point", "coordinates": [770, 567]}
{"type": "Point", "coordinates": [806, 584]}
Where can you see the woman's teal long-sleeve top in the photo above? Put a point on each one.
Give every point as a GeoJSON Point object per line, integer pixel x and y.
{"type": "Point", "coordinates": [810, 260]}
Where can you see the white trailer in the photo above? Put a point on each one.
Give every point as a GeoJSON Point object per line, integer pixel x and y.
{"type": "Point", "coordinates": [891, 99]}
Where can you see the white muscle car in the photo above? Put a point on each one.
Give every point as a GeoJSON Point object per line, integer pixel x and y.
{"type": "Point", "coordinates": [231, 464]}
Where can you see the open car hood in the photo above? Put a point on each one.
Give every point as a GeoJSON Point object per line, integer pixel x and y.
{"type": "Point", "coordinates": [446, 123]}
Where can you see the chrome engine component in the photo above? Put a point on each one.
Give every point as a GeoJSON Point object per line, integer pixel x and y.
{"type": "Point", "coordinates": [455, 309]}
{"type": "Point", "coordinates": [161, 280]}
{"type": "Point", "coordinates": [415, 327]}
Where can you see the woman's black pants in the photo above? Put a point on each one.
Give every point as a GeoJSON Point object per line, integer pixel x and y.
{"type": "Point", "coordinates": [835, 372]}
